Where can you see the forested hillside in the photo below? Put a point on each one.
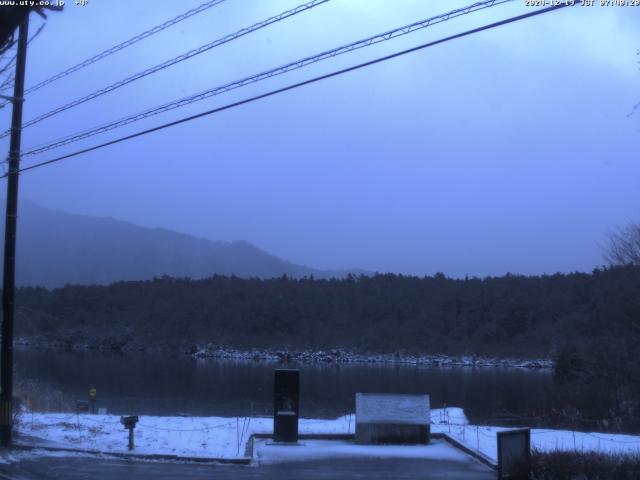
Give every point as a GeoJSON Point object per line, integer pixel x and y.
{"type": "Point", "coordinates": [511, 315]}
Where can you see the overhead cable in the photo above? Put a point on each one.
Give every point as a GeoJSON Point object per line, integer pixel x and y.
{"type": "Point", "coordinates": [298, 85]}
{"type": "Point", "coordinates": [127, 43]}
{"type": "Point", "coordinates": [171, 62]}
{"type": "Point", "coordinates": [396, 32]}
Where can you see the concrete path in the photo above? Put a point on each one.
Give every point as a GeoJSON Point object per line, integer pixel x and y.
{"type": "Point", "coordinates": [316, 460]}
{"type": "Point", "coordinates": [46, 468]}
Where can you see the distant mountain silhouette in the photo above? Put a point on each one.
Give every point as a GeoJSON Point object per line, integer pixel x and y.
{"type": "Point", "coordinates": [57, 248]}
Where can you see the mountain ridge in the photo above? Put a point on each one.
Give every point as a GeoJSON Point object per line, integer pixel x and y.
{"type": "Point", "coordinates": [56, 248]}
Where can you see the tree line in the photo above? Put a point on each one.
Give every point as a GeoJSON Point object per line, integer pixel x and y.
{"type": "Point", "coordinates": [509, 315]}
{"type": "Point", "coordinates": [589, 323]}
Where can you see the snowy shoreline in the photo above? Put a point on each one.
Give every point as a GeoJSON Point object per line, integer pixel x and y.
{"type": "Point", "coordinates": [286, 355]}
{"type": "Point", "coordinates": [227, 437]}
{"type": "Point", "coordinates": [340, 356]}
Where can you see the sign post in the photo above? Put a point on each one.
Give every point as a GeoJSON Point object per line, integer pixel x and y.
{"type": "Point", "coordinates": [93, 395]}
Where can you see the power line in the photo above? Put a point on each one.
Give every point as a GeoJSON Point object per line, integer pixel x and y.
{"type": "Point", "coordinates": [8, 64]}
{"type": "Point", "coordinates": [125, 44]}
{"type": "Point", "coordinates": [35, 35]}
{"type": "Point", "coordinates": [382, 37]}
{"type": "Point", "coordinates": [301, 84]}
{"type": "Point", "coordinates": [175, 60]}
{"type": "Point", "coordinates": [7, 82]}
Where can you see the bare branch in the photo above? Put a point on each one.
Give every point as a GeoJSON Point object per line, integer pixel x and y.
{"type": "Point", "coordinates": [623, 246]}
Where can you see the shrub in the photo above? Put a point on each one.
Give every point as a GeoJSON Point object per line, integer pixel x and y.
{"type": "Point", "coordinates": [563, 465]}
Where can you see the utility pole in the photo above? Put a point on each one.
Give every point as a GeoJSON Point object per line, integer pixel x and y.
{"type": "Point", "coordinates": [8, 289]}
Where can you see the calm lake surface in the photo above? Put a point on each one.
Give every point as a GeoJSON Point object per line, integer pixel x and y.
{"type": "Point", "coordinates": [160, 385]}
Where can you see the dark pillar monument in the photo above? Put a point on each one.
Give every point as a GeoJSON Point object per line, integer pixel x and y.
{"type": "Point", "coordinates": [286, 396]}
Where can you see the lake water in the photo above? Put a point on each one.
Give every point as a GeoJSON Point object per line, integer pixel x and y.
{"type": "Point", "coordinates": [160, 385]}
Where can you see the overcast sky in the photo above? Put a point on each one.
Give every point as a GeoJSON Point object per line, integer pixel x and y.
{"type": "Point", "coordinates": [506, 151]}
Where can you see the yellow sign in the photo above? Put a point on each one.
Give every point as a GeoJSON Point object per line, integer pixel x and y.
{"type": "Point", "coordinates": [92, 393]}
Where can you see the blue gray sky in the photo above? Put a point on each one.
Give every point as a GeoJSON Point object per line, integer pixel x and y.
{"type": "Point", "coordinates": [507, 151]}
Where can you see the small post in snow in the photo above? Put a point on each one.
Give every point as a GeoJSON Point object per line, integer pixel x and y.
{"type": "Point", "coordinates": [129, 423]}
{"type": "Point", "coordinates": [93, 395]}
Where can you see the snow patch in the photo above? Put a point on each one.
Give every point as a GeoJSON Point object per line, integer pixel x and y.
{"type": "Point", "coordinates": [224, 437]}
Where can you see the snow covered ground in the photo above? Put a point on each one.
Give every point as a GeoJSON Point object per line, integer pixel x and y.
{"type": "Point", "coordinates": [220, 437]}
{"type": "Point", "coordinates": [453, 422]}
{"type": "Point", "coordinates": [224, 437]}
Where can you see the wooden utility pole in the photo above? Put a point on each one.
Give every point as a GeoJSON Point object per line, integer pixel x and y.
{"type": "Point", "coordinates": [8, 288]}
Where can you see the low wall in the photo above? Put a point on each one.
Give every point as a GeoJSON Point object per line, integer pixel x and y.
{"type": "Point", "coordinates": [392, 433]}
